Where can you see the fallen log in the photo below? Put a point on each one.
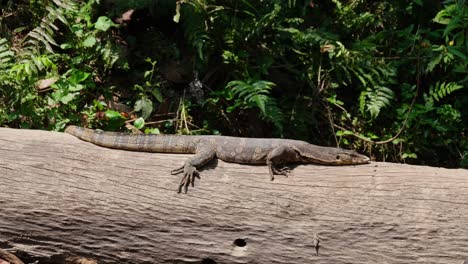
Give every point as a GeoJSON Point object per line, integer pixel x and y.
{"type": "Point", "coordinates": [63, 196]}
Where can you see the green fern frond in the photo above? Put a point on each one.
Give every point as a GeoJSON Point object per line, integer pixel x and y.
{"type": "Point", "coordinates": [68, 5]}
{"type": "Point", "coordinates": [274, 114]}
{"type": "Point", "coordinates": [44, 33]}
{"type": "Point", "coordinates": [42, 39]}
{"type": "Point", "coordinates": [377, 97]}
{"type": "Point", "coordinates": [440, 90]}
{"type": "Point", "coordinates": [256, 94]}
{"type": "Point", "coordinates": [57, 13]}
{"type": "Point", "coordinates": [6, 55]}
{"type": "Point", "coordinates": [196, 24]}
{"type": "Point", "coordinates": [253, 92]}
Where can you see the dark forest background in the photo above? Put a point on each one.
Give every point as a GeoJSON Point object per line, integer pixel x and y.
{"type": "Point", "coordinates": [387, 78]}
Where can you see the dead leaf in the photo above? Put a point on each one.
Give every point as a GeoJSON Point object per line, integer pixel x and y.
{"type": "Point", "coordinates": [46, 83]}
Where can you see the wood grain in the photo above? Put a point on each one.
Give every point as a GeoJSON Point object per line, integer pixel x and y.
{"type": "Point", "coordinates": [60, 195]}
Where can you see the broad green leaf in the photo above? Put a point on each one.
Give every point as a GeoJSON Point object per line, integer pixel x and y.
{"type": "Point", "coordinates": [139, 123]}
{"type": "Point", "coordinates": [442, 17]}
{"type": "Point", "coordinates": [144, 105]}
{"type": "Point", "coordinates": [458, 53]}
{"type": "Point", "coordinates": [78, 76]}
{"type": "Point", "coordinates": [68, 97]}
{"type": "Point", "coordinates": [104, 23]}
{"type": "Point", "coordinates": [113, 115]}
{"type": "Point", "coordinates": [147, 73]}
{"type": "Point", "coordinates": [152, 131]}
{"type": "Point", "coordinates": [66, 46]}
{"type": "Point", "coordinates": [409, 155]}
{"type": "Point", "coordinates": [89, 42]}
{"type": "Point", "coordinates": [75, 87]}
{"type": "Point", "coordinates": [290, 30]}
{"type": "Point", "coordinates": [157, 94]}
{"type": "Point", "coordinates": [61, 124]}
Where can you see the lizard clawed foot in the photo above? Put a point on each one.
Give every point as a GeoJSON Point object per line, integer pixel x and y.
{"type": "Point", "coordinates": [280, 171]}
{"type": "Point", "coordinates": [190, 173]}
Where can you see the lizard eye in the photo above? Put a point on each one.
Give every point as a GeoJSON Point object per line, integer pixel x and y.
{"type": "Point", "coordinates": [337, 157]}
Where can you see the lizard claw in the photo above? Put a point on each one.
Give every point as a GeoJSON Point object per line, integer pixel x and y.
{"type": "Point", "coordinates": [189, 179]}
{"type": "Point", "coordinates": [177, 171]}
{"type": "Point", "coordinates": [281, 171]}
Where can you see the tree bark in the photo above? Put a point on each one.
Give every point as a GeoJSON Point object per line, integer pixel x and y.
{"type": "Point", "coordinates": [60, 195]}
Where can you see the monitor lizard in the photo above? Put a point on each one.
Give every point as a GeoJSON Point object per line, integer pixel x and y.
{"type": "Point", "coordinates": [270, 151]}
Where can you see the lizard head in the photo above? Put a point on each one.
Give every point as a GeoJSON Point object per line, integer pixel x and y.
{"type": "Point", "coordinates": [333, 156]}
{"type": "Point", "coordinates": [347, 157]}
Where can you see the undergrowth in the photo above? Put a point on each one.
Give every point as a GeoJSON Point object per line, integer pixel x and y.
{"type": "Point", "coordinates": [387, 78]}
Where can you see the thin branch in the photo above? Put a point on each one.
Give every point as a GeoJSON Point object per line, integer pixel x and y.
{"type": "Point", "coordinates": [160, 121]}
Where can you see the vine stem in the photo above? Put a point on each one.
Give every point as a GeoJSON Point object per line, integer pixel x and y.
{"type": "Point", "coordinates": [399, 131]}
{"type": "Point", "coordinates": [403, 125]}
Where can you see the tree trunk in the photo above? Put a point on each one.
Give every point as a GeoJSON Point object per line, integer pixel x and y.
{"type": "Point", "coordinates": [60, 195]}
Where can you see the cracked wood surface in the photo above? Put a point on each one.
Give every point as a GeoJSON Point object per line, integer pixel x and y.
{"type": "Point", "coordinates": [60, 195]}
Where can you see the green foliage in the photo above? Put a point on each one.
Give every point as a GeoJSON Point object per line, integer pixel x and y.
{"type": "Point", "coordinates": [439, 90]}
{"type": "Point", "coordinates": [255, 94]}
{"type": "Point", "coordinates": [146, 92]}
{"type": "Point", "coordinates": [49, 82]}
{"type": "Point", "coordinates": [251, 93]}
{"type": "Point", "coordinates": [44, 33]}
{"type": "Point", "coordinates": [387, 77]}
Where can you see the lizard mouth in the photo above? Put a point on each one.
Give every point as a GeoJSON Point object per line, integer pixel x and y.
{"type": "Point", "coordinates": [366, 159]}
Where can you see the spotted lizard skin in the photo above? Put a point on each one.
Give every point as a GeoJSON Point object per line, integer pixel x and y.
{"type": "Point", "coordinates": [269, 151]}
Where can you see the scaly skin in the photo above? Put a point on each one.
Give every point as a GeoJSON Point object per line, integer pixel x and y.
{"type": "Point", "coordinates": [269, 151]}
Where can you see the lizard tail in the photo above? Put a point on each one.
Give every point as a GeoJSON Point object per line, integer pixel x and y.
{"type": "Point", "coordinates": [106, 139]}
{"type": "Point", "coordinates": [135, 142]}
{"type": "Point", "coordinates": [82, 133]}
{"type": "Point", "coordinates": [94, 136]}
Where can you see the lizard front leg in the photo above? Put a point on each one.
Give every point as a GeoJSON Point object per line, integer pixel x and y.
{"type": "Point", "coordinates": [280, 155]}
{"type": "Point", "coordinates": [204, 153]}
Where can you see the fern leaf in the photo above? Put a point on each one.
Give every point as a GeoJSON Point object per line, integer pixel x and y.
{"type": "Point", "coordinates": [260, 102]}
{"type": "Point", "coordinates": [274, 114]}
{"type": "Point", "coordinates": [47, 36]}
{"type": "Point", "coordinates": [68, 5]}
{"type": "Point", "coordinates": [6, 55]}
{"type": "Point", "coordinates": [48, 26]}
{"type": "Point", "coordinates": [362, 101]}
{"type": "Point", "coordinates": [38, 63]}
{"type": "Point", "coordinates": [56, 13]}
{"type": "Point", "coordinates": [254, 93]}
{"type": "Point", "coordinates": [378, 98]}
{"type": "Point", "coordinates": [4, 45]}
{"type": "Point", "coordinates": [40, 38]}
{"type": "Point", "coordinates": [440, 90]}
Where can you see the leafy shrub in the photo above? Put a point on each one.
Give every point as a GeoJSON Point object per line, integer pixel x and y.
{"type": "Point", "coordinates": [387, 78]}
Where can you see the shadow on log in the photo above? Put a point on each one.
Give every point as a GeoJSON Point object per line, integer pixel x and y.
{"type": "Point", "coordinates": [62, 196]}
